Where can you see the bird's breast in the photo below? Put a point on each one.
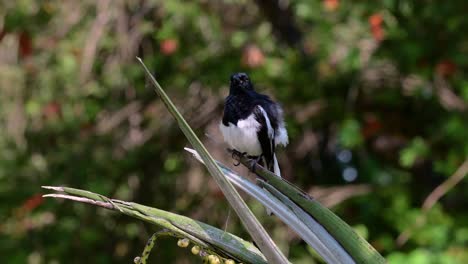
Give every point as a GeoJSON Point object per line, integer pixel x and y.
{"type": "Point", "coordinates": [242, 136]}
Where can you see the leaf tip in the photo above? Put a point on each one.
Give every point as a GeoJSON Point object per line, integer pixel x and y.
{"type": "Point", "coordinates": [55, 188]}
{"type": "Point", "coordinates": [50, 195]}
{"type": "Point", "coordinates": [195, 154]}
{"type": "Point", "coordinates": [189, 150]}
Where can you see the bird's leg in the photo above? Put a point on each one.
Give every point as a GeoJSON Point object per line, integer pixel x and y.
{"type": "Point", "coordinates": [237, 155]}
{"type": "Point", "coordinates": [254, 161]}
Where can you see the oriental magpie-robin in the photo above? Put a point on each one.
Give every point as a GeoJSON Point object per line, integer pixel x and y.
{"type": "Point", "coordinates": [252, 123]}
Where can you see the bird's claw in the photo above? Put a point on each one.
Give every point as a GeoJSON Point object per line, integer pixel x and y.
{"type": "Point", "coordinates": [236, 155]}
{"type": "Point", "coordinates": [254, 162]}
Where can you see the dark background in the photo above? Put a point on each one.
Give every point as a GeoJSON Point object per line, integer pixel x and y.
{"type": "Point", "coordinates": [375, 96]}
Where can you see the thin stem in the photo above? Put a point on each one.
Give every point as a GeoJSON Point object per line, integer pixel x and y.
{"type": "Point", "coordinates": [432, 199]}
{"type": "Point", "coordinates": [208, 237]}
{"type": "Point", "coordinates": [150, 244]}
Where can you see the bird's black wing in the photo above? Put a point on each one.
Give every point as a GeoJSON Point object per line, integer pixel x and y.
{"type": "Point", "coordinates": [266, 136]}
{"type": "Point", "coordinates": [236, 108]}
{"type": "Point", "coordinates": [270, 107]}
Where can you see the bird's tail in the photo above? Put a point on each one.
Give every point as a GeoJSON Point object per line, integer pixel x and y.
{"type": "Point", "coordinates": [272, 165]}
{"type": "Point", "coordinates": [276, 170]}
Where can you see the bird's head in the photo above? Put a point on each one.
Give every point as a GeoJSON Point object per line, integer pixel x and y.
{"type": "Point", "coordinates": [240, 82]}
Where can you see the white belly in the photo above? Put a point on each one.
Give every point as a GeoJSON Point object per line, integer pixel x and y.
{"type": "Point", "coordinates": [243, 137]}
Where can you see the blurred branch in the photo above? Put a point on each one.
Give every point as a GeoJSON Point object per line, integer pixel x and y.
{"type": "Point", "coordinates": [432, 199]}
{"type": "Point", "coordinates": [281, 17]}
{"type": "Point", "coordinates": [448, 99]}
{"type": "Point", "coordinates": [446, 186]}
{"type": "Point", "coordinates": [129, 29]}
{"type": "Point", "coordinates": [95, 34]}
{"type": "Point", "coordinates": [16, 119]}
{"type": "Point", "coordinates": [331, 196]}
{"type": "Point", "coordinates": [304, 113]}
{"type": "Point", "coordinates": [71, 13]}
{"type": "Point", "coordinates": [110, 121]}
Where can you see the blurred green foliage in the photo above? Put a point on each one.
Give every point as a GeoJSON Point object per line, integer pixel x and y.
{"type": "Point", "coordinates": [375, 95]}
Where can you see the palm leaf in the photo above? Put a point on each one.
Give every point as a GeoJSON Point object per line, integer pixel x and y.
{"type": "Point", "coordinates": [255, 229]}
{"type": "Point", "coordinates": [208, 237]}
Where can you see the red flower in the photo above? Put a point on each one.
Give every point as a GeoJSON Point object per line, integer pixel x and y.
{"type": "Point", "coordinates": [375, 20]}
{"type": "Point", "coordinates": [252, 56]}
{"type": "Point", "coordinates": [446, 68]}
{"type": "Point", "coordinates": [372, 126]}
{"type": "Point", "coordinates": [2, 34]}
{"type": "Point", "coordinates": [168, 46]}
{"type": "Point", "coordinates": [25, 45]}
{"type": "Point", "coordinates": [32, 202]}
{"type": "Point", "coordinates": [331, 5]}
{"type": "Point", "coordinates": [377, 30]}
{"type": "Point", "coordinates": [52, 110]}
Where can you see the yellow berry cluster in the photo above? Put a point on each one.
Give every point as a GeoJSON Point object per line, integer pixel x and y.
{"type": "Point", "coordinates": [207, 258]}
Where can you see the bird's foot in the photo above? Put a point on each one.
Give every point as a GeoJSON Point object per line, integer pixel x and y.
{"type": "Point", "coordinates": [237, 155]}
{"type": "Point", "coordinates": [254, 161]}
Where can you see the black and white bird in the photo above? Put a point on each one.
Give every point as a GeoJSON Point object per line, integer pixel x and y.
{"type": "Point", "coordinates": [253, 123]}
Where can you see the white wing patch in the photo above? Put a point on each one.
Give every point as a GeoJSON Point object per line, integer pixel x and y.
{"type": "Point", "coordinates": [281, 137]}
{"type": "Point", "coordinates": [270, 130]}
